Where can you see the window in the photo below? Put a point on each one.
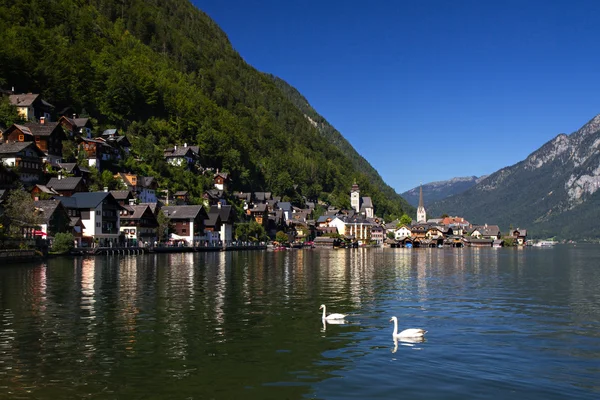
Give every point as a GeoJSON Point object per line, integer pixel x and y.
{"type": "Point", "coordinates": [98, 212]}
{"type": "Point", "coordinates": [183, 230]}
{"type": "Point", "coordinates": [97, 224]}
{"type": "Point", "coordinates": [184, 222]}
{"type": "Point", "coordinates": [21, 138]}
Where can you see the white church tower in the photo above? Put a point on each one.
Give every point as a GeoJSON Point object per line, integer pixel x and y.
{"type": "Point", "coordinates": [355, 197]}
{"type": "Point", "coordinates": [421, 214]}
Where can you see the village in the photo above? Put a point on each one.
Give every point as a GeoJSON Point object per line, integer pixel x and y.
{"type": "Point", "coordinates": [32, 159]}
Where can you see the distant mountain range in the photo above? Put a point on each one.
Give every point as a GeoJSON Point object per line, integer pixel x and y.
{"type": "Point", "coordinates": [553, 192]}
{"type": "Point", "coordinates": [436, 191]}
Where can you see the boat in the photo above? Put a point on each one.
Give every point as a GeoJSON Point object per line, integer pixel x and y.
{"type": "Point", "coordinates": [544, 243]}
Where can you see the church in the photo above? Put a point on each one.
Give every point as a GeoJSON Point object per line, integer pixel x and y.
{"type": "Point", "coordinates": [362, 205]}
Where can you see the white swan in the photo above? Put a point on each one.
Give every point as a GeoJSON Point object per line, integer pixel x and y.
{"type": "Point", "coordinates": [407, 333]}
{"type": "Point", "coordinates": [331, 317]}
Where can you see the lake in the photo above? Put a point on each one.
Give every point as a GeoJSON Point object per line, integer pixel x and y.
{"type": "Point", "coordinates": [502, 324]}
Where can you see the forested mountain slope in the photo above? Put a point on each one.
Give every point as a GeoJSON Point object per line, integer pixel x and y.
{"type": "Point", "coordinates": [167, 74]}
{"type": "Point", "coordinates": [553, 192]}
{"type": "Point", "coordinates": [334, 137]}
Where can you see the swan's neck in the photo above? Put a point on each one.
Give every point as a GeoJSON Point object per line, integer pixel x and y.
{"type": "Point", "coordinates": [324, 316]}
{"type": "Point", "coordinates": [395, 327]}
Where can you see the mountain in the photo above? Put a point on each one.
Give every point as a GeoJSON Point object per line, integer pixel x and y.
{"type": "Point", "coordinates": [435, 191]}
{"type": "Point", "coordinates": [553, 192]}
{"type": "Point", "coordinates": [335, 138]}
{"type": "Point", "coordinates": [163, 72]}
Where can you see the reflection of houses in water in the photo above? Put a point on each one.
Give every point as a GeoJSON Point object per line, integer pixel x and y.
{"type": "Point", "coordinates": [128, 298]}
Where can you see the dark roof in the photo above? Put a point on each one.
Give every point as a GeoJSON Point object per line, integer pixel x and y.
{"type": "Point", "coordinates": [46, 189]}
{"type": "Point", "coordinates": [285, 205]}
{"type": "Point", "coordinates": [262, 196]}
{"type": "Point", "coordinates": [212, 220]}
{"type": "Point", "coordinates": [181, 151]}
{"type": "Point", "coordinates": [69, 183]}
{"type": "Point", "coordinates": [137, 211]}
{"type": "Point", "coordinates": [110, 132]}
{"type": "Point", "coordinates": [48, 207]}
{"type": "Point", "coordinates": [45, 129]}
{"type": "Point", "coordinates": [75, 221]}
{"type": "Point", "coordinates": [182, 212]}
{"type": "Point", "coordinates": [487, 230]}
{"type": "Point", "coordinates": [81, 122]}
{"type": "Point", "coordinates": [225, 212]}
{"type": "Point", "coordinates": [68, 167]}
{"type": "Point", "coordinates": [16, 147]}
{"type": "Point", "coordinates": [88, 199]}
{"type": "Point", "coordinates": [23, 99]}
{"type": "Point", "coordinates": [259, 208]}
{"type": "Point", "coordinates": [122, 194]}
{"type": "Point", "coordinates": [366, 202]}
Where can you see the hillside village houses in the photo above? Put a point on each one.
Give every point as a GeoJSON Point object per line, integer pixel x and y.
{"type": "Point", "coordinates": [130, 217]}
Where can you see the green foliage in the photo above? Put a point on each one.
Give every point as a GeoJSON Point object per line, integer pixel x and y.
{"type": "Point", "coordinates": [164, 225]}
{"type": "Point", "coordinates": [8, 113]}
{"type": "Point", "coordinates": [252, 231]}
{"type": "Point", "coordinates": [19, 212]}
{"type": "Point", "coordinates": [405, 220]}
{"type": "Point", "coordinates": [508, 241]}
{"type": "Point", "coordinates": [168, 75]}
{"type": "Point", "coordinates": [63, 242]}
{"type": "Point", "coordinates": [281, 237]}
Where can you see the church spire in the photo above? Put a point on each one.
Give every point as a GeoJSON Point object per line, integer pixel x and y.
{"type": "Point", "coordinates": [421, 214]}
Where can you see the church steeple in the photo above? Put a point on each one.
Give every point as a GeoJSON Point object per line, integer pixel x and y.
{"type": "Point", "coordinates": [421, 214]}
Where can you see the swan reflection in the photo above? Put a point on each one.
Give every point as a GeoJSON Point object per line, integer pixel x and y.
{"type": "Point", "coordinates": [407, 341]}
{"type": "Point", "coordinates": [332, 322]}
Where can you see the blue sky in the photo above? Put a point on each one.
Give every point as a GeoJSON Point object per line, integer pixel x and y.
{"type": "Point", "coordinates": [429, 90]}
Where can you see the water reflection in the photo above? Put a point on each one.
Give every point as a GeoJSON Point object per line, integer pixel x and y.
{"type": "Point", "coordinates": [228, 325]}
{"type": "Point", "coordinates": [409, 342]}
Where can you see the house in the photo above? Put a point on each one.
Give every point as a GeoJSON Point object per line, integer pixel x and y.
{"type": "Point", "coordinates": [26, 157]}
{"type": "Point", "coordinates": [100, 215]}
{"type": "Point", "coordinates": [221, 180]}
{"type": "Point", "coordinates": [486, 232]}
{"type": "Point", "coordinates": [54, 216]}
{"type": "Point", "coordinates": [143, 187]}
{"type": "Point", "coordinates": [287, 211]}
{"type": "Point", "coordinates": [182, 197]}
{"type": "Point", "coordinates": [226, 220]}
{"type": "Point", "coordinates": [42, 192]}
{"type": "Point", "coordinates": [212, 197]}
{"type": "Point", "coordinates": [119, 143]}
{"type": "Point", "coordinates": [403, 232]}
{"type": "Point", "coordinates": [520, 236]}
{"type": "Point", "coordinates": [31, 106]}
{"type": "Point", "coordinates": [67, 186]}
{"type": "Point", "coordinates": [77, 126]}
{"type": "Point", "coordinates": [48, 136]}
{"type": "Point", "coordinates": [123, 197]}
{"type": "Point", "coordinates": [260, 214]}
{"type": "Point", "coordinates": [184, 155]}
{"type": "Point", "coordinates": [95, 151]}
{"type": "Point", "coordinates": [138, 224]}
{"type": "Point", "coordinates": [377, 235]}
{"type": "Point", "coordinates": [358, 228]}
{"type": "Point", "coordinates": [187, 222]}
{"type": "Point", "coordinates": [363, 205]}
{"type": "Point", "coordinates": [458, 224]}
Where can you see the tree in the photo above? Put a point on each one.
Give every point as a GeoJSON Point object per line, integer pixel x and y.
{"type": "Point", "coordinates": [19, 212]}
{"type": "Point", "coordinates": [281, 237]}
{"type": "Point", "coordinates": [164, 224]}
{"type": "Point", "coordinates": [63, 242]}
{"type": "Point", "coordinates": [405, 220]}
{"type": "Point", "coordinates": [8, 113]}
